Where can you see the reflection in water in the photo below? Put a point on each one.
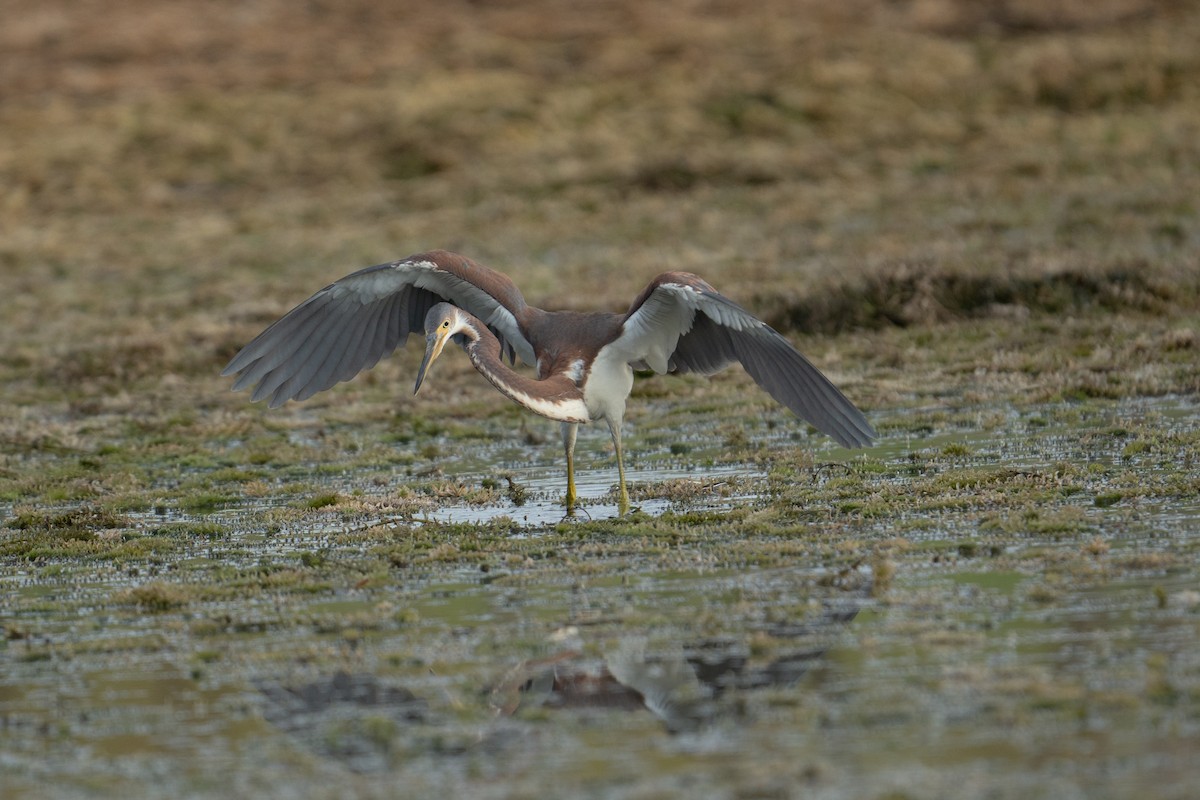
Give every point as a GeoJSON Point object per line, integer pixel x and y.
{"type": "Point", "coordinates": [679, 684]}
{"type": "Point", "coordinates": [668, 685]}
{"type": "Point", "coordinates": [357, 719]}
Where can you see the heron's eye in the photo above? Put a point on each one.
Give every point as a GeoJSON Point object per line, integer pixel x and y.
{"type": "Point", "coordinates": [446, 324]}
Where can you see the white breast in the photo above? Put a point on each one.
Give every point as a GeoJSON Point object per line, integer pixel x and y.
{"type": "Point", "coordinates": [608, 385]}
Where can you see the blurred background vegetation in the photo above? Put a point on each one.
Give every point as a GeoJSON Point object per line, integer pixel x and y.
{"type": "Point", "coordinates": [175, 174]}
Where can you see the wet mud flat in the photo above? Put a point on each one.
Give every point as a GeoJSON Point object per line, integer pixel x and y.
{"type": "Point", "coordinates": [1007, 609]}
{"type": "Point", "coordinates": [980, 219]}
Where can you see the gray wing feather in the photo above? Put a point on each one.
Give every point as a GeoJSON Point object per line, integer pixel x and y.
{"type": "Point", "coordinates": [377, 344]}
{"type": "Point", "coordinates": [345, 356]}
{"type": "Point", "coordinates": [302, 375]}
{"type": "Point", "coordinates": [272, 347]}
{"type": "Point", "coordinates": [300, 349]}
{"type": "Point", "coordinates": [704, 332]}
{"type": "Point", "coordinates": [351, 324]}
{"type": "Point", "coordinates": [792, 380]}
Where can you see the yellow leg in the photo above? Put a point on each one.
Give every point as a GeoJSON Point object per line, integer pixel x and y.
{"type": "Point", "coordinates": [569, 430]}
{"type": "Point", "coordinates": [622, 492]}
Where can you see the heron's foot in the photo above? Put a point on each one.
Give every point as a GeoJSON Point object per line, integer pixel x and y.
{"type": "Point", "coordinates": [572, 514]}
{"type": "Point", "coordinates": [623, 501]}
{"type": "Point", "coordinates": [571, 502]}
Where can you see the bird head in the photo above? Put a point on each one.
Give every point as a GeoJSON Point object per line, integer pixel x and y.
{"type": "Point", "coordinates": [442, 323]}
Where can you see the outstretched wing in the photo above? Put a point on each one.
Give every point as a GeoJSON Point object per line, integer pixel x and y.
{"type": "Point", "coordinates": [682, 324]}
{"type": "Point", "coordinates": [352, 323]}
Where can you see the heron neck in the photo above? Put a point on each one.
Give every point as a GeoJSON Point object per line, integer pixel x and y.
{"type": "Point", "coordinates": [555, 397]}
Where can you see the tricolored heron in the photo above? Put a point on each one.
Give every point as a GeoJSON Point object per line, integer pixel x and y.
{"type": "Point", "coordinates": [585, 360]}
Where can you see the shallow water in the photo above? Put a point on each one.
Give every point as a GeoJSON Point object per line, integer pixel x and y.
{"type": "Point", "coordinates": [1030, 645]}
{"type": "Point", "coordinates": [597, 489]}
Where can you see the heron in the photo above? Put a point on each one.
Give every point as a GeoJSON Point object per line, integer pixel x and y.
{"type": "Point", "coordinates": [584, 362]}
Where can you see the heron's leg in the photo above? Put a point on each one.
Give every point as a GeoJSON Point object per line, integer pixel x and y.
{"type": "Point", "coordinates": [614, 427]}
{"type": "Point", "coordinates": [569, 429]}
